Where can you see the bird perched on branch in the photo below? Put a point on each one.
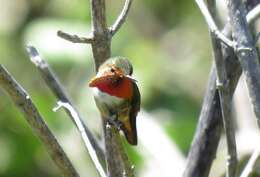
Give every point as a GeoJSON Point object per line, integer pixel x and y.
{"type": "Point", "coordinates": [117, 96]}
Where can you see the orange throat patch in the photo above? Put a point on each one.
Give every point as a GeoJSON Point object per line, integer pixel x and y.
{"type": "Point", "coordinates": [121, 88]}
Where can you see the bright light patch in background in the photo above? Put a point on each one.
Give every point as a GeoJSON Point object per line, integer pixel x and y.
{"type": "Point", "coordinates": [162, 157]}
{"type": "Point", "coordinates": [12, 14]}
{"type": "Point", "coordinates": [43, 35]}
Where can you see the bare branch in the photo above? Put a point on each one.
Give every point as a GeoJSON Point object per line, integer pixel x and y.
{"type": "Point", "coordinates": [212, 26]}
{"type": "Point", "coordinates": [253, 14]}
{"type": "Point", "coordinates": [35, 120]}
{"type": "Point", "coordinates": [54, 84]}
{"type": "Point", "coordinates": [91, 150]}
{"type": "Point", "coordinates": [74, 38]}
{"type": "Point", "coordinates": [121, 18]}
{"type": "Point", "coordinates": [251, 163]}
{"type": "Point", "coordinates": [247, 58]}
{"type": "Point", "coordinates": [225, 98]}
{"type": "Point", "coordinates": [207, 135]}
{"type": "Point", "coordinates": [114, 147]}
{"type": "Point", "coordinates": [101, 49]}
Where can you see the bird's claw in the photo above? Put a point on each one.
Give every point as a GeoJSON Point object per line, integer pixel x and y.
{"type": "Point", "coordinates": [115, 122]}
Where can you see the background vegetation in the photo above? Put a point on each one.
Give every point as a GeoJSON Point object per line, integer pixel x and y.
{"type": "Point", "coordinates": [167, 43]}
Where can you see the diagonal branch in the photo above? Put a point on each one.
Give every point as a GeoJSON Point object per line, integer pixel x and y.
{"type": "Point", "coordinates": [54, 84]}
{"type": "Point", "coordinates": [92, 151]}
{"type": "Point", "coordinates": [35, 120]}
{"type": "Point", "coordinates": [207, 135]}
{"type": "Point", "coordinates": [225, 98]}
{"type": "Point", "coordinates": [251, 163]}
{"type": "Point", "coordinates": [253, 14]}
{"type": "Point", "coordinates": [211, 24]}
{"type": "Point", "coordinates": [247, 53]}
{"type": "Point", "coordinates": [121, 18]}
{"type": "Point", "coordinates": [75, 38]}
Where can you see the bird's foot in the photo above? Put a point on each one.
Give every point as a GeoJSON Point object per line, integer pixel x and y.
{"type": "Point", "coordinates": [115, 122]}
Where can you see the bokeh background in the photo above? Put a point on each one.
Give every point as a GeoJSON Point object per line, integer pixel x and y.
{"type": "Point", "coordinates": [167, 42]}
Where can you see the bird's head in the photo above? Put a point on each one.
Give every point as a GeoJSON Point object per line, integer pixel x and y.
{"type": "Point", "coordinates": [114, 77]}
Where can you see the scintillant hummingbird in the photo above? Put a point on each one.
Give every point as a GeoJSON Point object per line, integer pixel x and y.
{"type": "Point", "coordinates": [117, 95]}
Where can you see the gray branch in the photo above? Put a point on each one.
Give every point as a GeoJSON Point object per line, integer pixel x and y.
{"type": "Point", "coordinates": [101, 48]}
{"type": "Point", "coordinates": [121, 18]}
{"type": "Point", "coordinates": [36, 122]}
{"type": "Point", "coordinates": [91, 150]}
{"type": "Point", "coordinates": [246, 52]}
{"type": "Point", "coordinates": [225, 98]}
{"type": "Point", "coordinates": [112, 146]}
{"type": "Point", "coordinates": [54, 84]}
{"type": "Point", "coordinates": [211, 24]}
{"type": "Point", "coordinates": [75, 38]}
{"type": "Point", "coordinates": [207, 135]}
{"type": "Point", "coordinates": [251, 163]}
{"type": "Point", "coordinates": [253, 14]}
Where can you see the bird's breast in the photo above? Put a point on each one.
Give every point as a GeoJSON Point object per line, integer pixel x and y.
{"type": "Point", "coordinates": [107, 99]}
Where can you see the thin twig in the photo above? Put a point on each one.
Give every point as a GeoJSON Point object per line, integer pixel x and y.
{"type": "Point", "coordinates": [253, 14]}
{"type": "Point", "coordinates": [75, 38]}
{"type": "Point", "coordinates": [35, 120]}
{"type": "Point", "coordinates": [225, 98]}
{"type": "Point", "coordinates": [54, 84]}
{"type": "Point", "coordinates": [121, 18]}
{"type": "Point", "coordinates": [212, 26]}
{"type": "Point", "coordinates": [247, 54]}
{"type": "Point", "coordinates": [91, 150]}
{"type": "Point", "coordinates": [251, 163]}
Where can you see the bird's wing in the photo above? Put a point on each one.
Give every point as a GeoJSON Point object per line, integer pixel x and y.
{"type": "Point", "coordinates": [135, 108]}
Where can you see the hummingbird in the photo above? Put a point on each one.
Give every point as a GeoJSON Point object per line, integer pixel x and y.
{"type": "Point", "coordinates": [117, 96]}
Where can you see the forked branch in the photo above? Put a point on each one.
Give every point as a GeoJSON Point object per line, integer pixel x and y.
{"type": "Point", "coordinates": [121, 18]}
{"type": "Point", "coordinates": [91, 150]}
{"type": "Point", "coordinates": [206, 139]}
{"type": "Point", "coordinates": [36, 122]}
{"type": "Point", "coordinates": [248, 58]}
{"type": "Point", "coordinates": [55, 86]}
{"type": "Point", "coordinates": [212, 25]}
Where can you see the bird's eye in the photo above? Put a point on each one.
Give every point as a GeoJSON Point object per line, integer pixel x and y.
{"type": "Point", "coordinates": [112, 70]}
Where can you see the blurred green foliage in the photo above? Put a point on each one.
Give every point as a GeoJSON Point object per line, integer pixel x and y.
{"type": "Point", "coordinates": [165, 40]}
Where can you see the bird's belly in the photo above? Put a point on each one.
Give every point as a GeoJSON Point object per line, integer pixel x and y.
{"type": "Point", "coordinates": [107, 99]}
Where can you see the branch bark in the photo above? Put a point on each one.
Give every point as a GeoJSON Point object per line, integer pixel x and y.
{"type": "Point", "coordinates": [246, 52]}
{"type": "Point", "coordinates": [54, 84]}
{"type": "Point", "coordinates": [121, 18]}
{"type": "Point", "coordinates": [101, 47]}
{"type": "Point", "coordinates": [100, 40]}
{"type": "Point", "coordinates": [212, 25]}
{"type": "Point", "coordinates": [117, 163]}
{"type": "Point", "coordinates": [75, 38]}
{"type": "Point", "coordinates": [207, 135]}
{"type": "Point", "coordinates": [225, 98]}
{"type": "Point", "coordinates": [91, 150]}
{"type": "Point", "coordinates": [36, 122]}
{"type": "Point", "coordinates": [251, 163]}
